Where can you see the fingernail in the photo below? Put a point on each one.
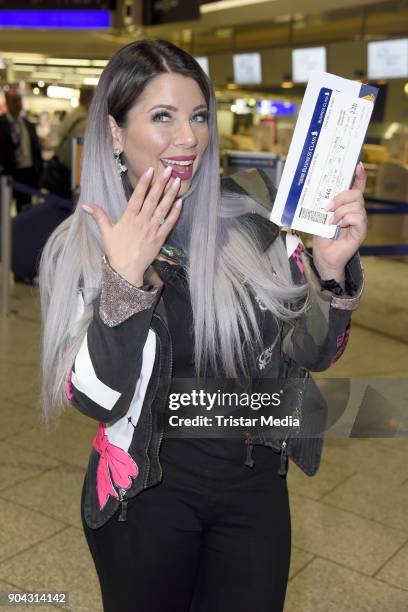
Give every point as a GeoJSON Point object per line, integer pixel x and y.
{"type": "Point", "coordinates": [87, 208]}
{"type": "Point", "coordinates": [329, 205]}
{"type": "Point", "coordinates": [362, 165]}
{"type": "Point", "coordinates": [149, 172]}
{"type": "Point", "coordinates": [177, 181]}
{"type": "Point", "coordinates": [178, 203]}
{"type": "Point", "coordinates": [168, 171]}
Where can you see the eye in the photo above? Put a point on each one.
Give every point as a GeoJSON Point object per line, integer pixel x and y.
{"type": "Point", "coordinates": [161, 117]}
{"type": "Point", "coordinates": [201, 117]}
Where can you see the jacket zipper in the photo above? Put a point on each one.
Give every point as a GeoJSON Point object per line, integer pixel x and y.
{"type": "Point", "coordinates": [123, 499]}
{"type": "Point", "coordinates": [249, 448]}
{"type": "Point", "coordinates": [146, 478]}
{"type": "Point", "coordinates": [123, 505]}
{"type": "Point", "coordinates": [284, 463]}
{"type": "Point", "coordinates": [161, 433]}
{"type": "Point", "coordinates": [170, 370]}
{"type": "Point", "coordinates": [283, 468]}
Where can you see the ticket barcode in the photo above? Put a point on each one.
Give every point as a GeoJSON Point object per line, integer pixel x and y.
{"type": "Point", "coordinates": [313, 215]}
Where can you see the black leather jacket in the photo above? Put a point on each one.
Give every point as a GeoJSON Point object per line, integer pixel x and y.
{"type": "Point", "coordinates": [122, 374]}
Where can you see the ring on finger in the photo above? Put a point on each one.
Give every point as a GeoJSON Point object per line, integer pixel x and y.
{"type": "Point", "coordinates": [160, 220]}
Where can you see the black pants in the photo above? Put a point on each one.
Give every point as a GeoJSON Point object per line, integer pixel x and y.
{"type": "Point", "coordinates": [193, 547]}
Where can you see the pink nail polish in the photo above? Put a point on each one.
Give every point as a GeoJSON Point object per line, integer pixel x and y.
{"type": "Point", "coordinates": [329, 205]}
{"type": "Point", "coordinates": [87, 209]}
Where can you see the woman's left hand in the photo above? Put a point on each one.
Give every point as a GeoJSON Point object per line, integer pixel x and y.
{"type": "Point", "coordinates": [331, 256]}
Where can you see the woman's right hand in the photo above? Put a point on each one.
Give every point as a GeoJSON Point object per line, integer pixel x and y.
{"type": "Point", "coordinates": [135, 240]}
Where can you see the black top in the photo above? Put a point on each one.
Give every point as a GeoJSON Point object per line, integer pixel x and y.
{"type": "Point", "coordinates": [216, 458]}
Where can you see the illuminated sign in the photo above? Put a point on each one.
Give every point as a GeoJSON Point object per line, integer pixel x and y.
{"type": "Point", "coordinates": [55, 5]}
{"type": "Point", "coordinates": [61, 20]}
{"type": "Point", "coordinates": [277, 107]}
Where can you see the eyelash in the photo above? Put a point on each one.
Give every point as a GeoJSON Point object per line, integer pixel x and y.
{"type": "Point", "coordinates": [157, 116]}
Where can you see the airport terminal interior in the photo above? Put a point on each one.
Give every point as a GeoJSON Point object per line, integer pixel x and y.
{"type": "Point", "coordinates": [349, 521]}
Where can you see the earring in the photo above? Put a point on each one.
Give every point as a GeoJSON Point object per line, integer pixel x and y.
{"type": "Point", "coordinates": [121, 168]}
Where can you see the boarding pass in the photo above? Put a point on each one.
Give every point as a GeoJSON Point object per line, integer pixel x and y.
{"type": "Point", "coordinates": [324, 152]}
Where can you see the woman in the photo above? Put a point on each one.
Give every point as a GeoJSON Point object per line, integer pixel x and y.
{"type": "Point", "coordinates": [164, 276]}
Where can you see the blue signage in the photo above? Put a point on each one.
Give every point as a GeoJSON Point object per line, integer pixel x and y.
{"type": "Point", "coordinates": [60, 20]}
{"type": "Point", "coordinates": [268, 107]}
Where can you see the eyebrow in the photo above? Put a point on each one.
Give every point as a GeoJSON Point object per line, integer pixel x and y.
{"type": "Point", "coordinates": [173, 108]}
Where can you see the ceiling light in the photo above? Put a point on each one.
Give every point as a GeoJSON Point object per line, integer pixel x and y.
{"type": "Point", "coordinates": [64, 93]}
{"type": "Point", "coordinates": [230, 4]}
{"type": "Point", "coordinates": [25, 58]}
{"type": "Point", "coordinates": [90, 71]}
{"type": "Point", "coordinates": [48, 76]}
{"type": "Point", "coordinates": [23, 68]}
{"type": "Point", "coordinates": [91, 80]}
{"type": "Point", "coordinates": [99, 63]}
{"type": "Point", "coordinates": [63, 61]}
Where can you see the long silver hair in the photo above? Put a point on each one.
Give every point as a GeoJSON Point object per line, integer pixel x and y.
{"type": "Point", "coordinates": [226, 264]}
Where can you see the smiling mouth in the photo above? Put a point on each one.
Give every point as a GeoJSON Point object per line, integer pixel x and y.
{"type": "Point", "coordinates": [183, 164]}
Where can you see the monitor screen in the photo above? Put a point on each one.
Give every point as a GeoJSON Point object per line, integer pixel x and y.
{"type": "Point", "coordinates": [203, 61]}
{"type": "Point", "coordinates": [247, 68]}
{"type": "Point", "coordinates": [306, 60]}
{"type": "Point", "coordinates": [388, 59]}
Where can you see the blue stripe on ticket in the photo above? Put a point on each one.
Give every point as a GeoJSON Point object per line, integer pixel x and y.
{"type": "Point", "coordinates": [306, 156]}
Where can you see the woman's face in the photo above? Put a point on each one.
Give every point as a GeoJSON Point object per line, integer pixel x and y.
{"type": "Point", "coordinates": [167, 126]}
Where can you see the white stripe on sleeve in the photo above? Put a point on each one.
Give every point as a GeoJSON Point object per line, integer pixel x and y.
{"type": "Point", "coordinates": [121, 432]}
{"type": "Point", "coordinates": [85, 380]}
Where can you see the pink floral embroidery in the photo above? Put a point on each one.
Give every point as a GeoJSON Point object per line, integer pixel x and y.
{"type": "Point", "coordinates": [68, 387]}
{"type": "Point", "coordinates": [342, 340]}
{"type": "Point", "coordinates": [115, 466]}
{"type": "Point", "coordinates": [296, 254]}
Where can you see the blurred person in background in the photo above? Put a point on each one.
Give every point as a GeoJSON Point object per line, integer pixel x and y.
{"type": "Point", "coordinates": [43, 128]}
{"type": "Point", "coordinates": [20, 150]}
{"type": "Point", "coordinates": [57, 173]}
{"type": "Point", "coordinates": [73, 126]}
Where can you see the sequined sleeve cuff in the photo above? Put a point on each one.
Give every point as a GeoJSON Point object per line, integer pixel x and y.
{"type": "Point", "coordinates": [120, 299]}
{"type": "Point", "coordinates": [347, 295]}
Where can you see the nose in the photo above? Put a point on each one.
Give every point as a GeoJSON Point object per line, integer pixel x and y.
{"type": "Point", "coordinates": [185, 135]}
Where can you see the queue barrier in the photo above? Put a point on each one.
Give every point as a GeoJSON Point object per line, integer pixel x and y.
{"type": "Point", "coordinates": [7, 185]}
{"type": "Point", "coordinates": [50, 198]}
{"type": "Point", "coordinates": [6, 193]}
